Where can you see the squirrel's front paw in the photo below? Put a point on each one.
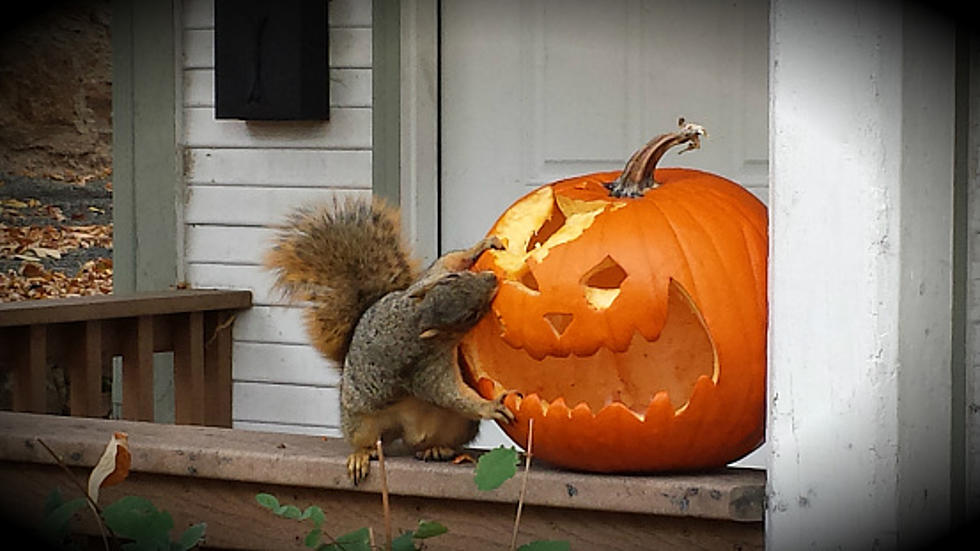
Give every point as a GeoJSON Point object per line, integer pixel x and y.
{"type": "Point", "coordinates": [359, 465]}
{"type": "Point", "coordinates": [499, 411]}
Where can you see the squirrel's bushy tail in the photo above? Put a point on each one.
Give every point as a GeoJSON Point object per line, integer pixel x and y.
{"type": "Point", "coordinates": [341, 260]}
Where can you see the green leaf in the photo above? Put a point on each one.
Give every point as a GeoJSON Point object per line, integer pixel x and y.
{"type": "Point", "coordinates": [268, 501]}
{"type": "Point", "coordinates": [291, 511]}
{"type": "Point", "coordinates": [55, 524]}
{"type": "Point", "coordinates": [312, 538]}
{"type": "Point", "coordinates": [546, 545]}
{"type": "Point", "coordinates": [190, 538]}
{"type": "Point", "coordinates": [316, 514]}
{"type": "Point", "coordinates": [138, 519]}
{"type": "Point", "coordinates": [495, 467]}
{"type": "Point", "coordinates": [404, 542]}
{"type": "Point", "coordinates": [358, 540]}
{"type": "Point", "coordinates": [53, 501]}
{"type": "Point", "coordinates": [429, 529]}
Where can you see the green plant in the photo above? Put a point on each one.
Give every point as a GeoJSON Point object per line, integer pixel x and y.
{"type": "Point", "coordinates": [357, 540]}
{"type": "Point", "coordinates": [492, 470]}
{"type": "Point", "coordinates": [130, 518]}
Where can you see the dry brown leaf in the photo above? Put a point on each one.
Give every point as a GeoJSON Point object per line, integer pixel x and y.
{"type": "Point", "coordinates": [113, 466]}
{"type": "Point", "coordinates": [44, 252]}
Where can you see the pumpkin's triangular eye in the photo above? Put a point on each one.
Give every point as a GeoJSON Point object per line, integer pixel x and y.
{"type": "Point", "coordinates": [602, 283]}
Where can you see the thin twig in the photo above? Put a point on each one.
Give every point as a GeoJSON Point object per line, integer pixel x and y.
{"type": "Point", "coordinates": [384, 495]}
{"type": "Point", "coordinates": [221, 327]}
{"type": "Point", "coordinates": [527, 470]}
{"type": "Point", "coordinates": [96, 510]}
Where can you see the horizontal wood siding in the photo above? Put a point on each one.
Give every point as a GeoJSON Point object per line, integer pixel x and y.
{"type": "Point", "coordinates": [242, 179]}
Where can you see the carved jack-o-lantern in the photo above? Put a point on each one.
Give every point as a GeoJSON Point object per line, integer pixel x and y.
{"type": "Point", "coordinates": [631, 318]}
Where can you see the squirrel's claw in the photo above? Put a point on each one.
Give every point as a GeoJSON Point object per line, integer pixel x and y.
{"type": "Point", "coordinates": [359, 465]}
{"type": "Point", "coordinates": [436, 453]}
{"type": "Point", "coordinates": [501, 411]}
{"type": "Point", "coordinates": [494, 242]}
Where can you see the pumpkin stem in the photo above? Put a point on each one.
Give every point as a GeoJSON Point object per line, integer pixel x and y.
{"type": "Point", "coordinates": [637, 177]}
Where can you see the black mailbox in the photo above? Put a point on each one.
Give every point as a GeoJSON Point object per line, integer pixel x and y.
{"type": "Point", "coordinates": [270, 60]}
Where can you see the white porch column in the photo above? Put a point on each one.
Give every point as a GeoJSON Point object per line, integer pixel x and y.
{"type": "Point", "coordinates": [861, 152]}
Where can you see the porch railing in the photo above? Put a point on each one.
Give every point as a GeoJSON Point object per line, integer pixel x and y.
{"type": "Point", "coordinates": [83, 334]}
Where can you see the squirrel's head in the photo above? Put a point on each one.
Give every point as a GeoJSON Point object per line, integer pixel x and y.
{"type": "Point", "coordinates": [455, 302]}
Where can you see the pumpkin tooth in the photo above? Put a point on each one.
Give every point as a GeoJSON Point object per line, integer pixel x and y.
{"type": "Point", "coordinates": [700, 386]}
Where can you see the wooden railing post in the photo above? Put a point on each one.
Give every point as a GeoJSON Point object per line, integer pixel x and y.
{"type": "Point", "coordinates": [83, 334]}
{"type": "Point", "coordinates": [31, 370]}
{"type": "Point", "coordinates": [85, 370]}
{"type": "Point", "coordinates": [217, 366]}
{"type": "Point", "coordinates": [189, 398]}
{"type": "Point", "coordinates": [138, 370]}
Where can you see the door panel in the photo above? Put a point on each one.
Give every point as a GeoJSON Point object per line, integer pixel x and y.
{"type": "Point", "coordinates": [534, 91]}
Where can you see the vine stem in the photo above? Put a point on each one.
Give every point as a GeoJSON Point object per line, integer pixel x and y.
{"type": "Point", "coordinates": [637, 176]}
{"type": "Point", "coordinates": [96, 510]}
{"type": "Point", "coordinates": [527, 470]}
{"type": "Point", "coordinates": [384, 494]}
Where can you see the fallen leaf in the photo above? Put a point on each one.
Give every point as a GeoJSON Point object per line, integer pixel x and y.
{"type": "Point", "coordinates": [26, 258]}
{"type": "Point", "coordinates": [113, 466]}
{"type": "Point", "coordinates": [55, 212]}
{"type": "Point", "coordinates": [13, 203]}
{"type": "Point", "coordinates": [463, 458]}
{"type": "Point", "coordinates": [44, 252]}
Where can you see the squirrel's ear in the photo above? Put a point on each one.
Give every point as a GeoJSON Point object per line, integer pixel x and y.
{"type": "Point", "coordinates": [429, 333]}
{"type": "Point", "coordinates": [423, 288]}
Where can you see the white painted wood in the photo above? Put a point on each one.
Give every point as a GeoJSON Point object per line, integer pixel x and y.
{"type": "Point", "coordinates": [285, 404]}
{"type": "Point", "coordinates": [253, 166]}
{"type": "Point", "coordinates": [420, 127]}
{"type": "Point", "coordinates": [272, 324]}
{"type": "Point", "coordinates": [348, 128]}
{"type": "Point", "coordinates": [861, 143]}
{"type": "Point", "coordinates": [254, 206]}
{"type": "Point", "coordinates": [227, 244]}
{"type": "Point", "coordinates": [278, 363]}
{"type": "Point", "coordinates": [199, 14]}
{"type": "Point", "coordinates": [972, 355]}
{"type": "Point", "coordinates": [241, 179]}
{"type": "Point", "coordinates": [348, 87]}
{"type": "Point", "coordinates": [349, 48]}
{"type": "Point", "coordinates": [568, 87]}
{"type": "Point", "coordinates": [350, 13]}
{"type": "Point", "coordinates": [223, 276]}
{"type": "Point", "coordinates": [198, 48]}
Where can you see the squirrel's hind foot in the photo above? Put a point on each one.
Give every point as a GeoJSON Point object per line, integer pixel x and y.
{"type": "Point", "coordinates": [436, 453]}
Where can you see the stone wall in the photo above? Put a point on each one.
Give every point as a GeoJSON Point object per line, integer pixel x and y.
{"type": "Point", "coordinates": [56, 91]}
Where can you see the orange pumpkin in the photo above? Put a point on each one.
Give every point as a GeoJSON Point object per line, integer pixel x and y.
{"type": "Point", "coordinates": [631, 318]}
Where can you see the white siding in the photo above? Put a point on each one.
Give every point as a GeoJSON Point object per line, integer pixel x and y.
{"type": "Point", "coordinates": [242, 178]}
{"type": "Point", "coordinates": [972, 356]}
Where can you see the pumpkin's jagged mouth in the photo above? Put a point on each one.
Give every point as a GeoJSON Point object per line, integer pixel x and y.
{"type": "Point", "coordinates": [673, 363]}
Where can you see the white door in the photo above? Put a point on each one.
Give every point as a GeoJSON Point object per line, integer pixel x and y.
{"type": "Point", "coordinates": [532, 91]}
{"type": "Point", "coordinates": [537, 90]}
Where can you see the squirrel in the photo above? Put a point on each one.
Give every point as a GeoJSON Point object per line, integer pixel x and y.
{"type": "Point", "coordinates": [394, 331]}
